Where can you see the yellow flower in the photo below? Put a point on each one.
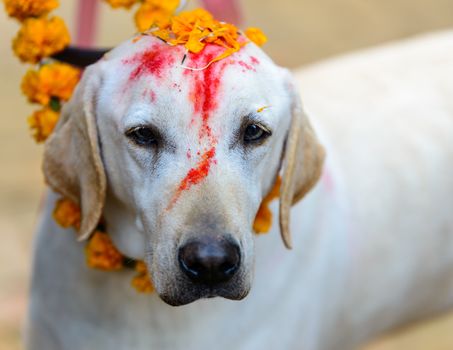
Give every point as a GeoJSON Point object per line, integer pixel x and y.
{"type": "Point", "coordinates": [101, 254]}
{"type": "Point", "coordinates": [67, 213]}
{"type": "Point", "coordinates": [39, 38]}
{"type": "Point", "coordinates": [142, 281]}
{"type": "Point", "coordinates": [263, 219]}
{"type": "Point", "coordinates": [122, 3]}
{"type": "Point", "coordinates": [197, 28]}
{"type": "Point", "coordinates": [56, 80]}
{"type": "Point", "coordinates": [256, 35]}
{"type": "Point", "coordinates": [168, 6]}
{"type": "Point", "coordinates": [149, 15]}
{"type": "Point", "coordinates": [42, 123]}
{"type": "Point", "coordinates": [21, 9]}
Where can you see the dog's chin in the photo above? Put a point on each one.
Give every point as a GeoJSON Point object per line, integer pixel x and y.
{"type": "Point", "coordinates": [184, 296]}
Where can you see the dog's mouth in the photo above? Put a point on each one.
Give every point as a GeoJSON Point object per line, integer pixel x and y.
{"type": "Point", "coordinates": [189, 294]}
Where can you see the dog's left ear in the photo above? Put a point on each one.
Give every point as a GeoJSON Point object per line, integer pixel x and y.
{"type": "Point", "coordinates": [72, 162]}
{"type": "Point", "coordinates": [302, 164]}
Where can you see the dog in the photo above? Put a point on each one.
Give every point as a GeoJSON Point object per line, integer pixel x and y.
{"type": "Point", "coordinates": [372, 239]}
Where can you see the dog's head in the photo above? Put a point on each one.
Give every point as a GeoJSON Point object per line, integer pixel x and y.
{"type": "Point", "coordinates": [178, 160]}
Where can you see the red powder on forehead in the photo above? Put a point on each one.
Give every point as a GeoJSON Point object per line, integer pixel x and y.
{"type": "Point", "coordinates": [205, 94]}
{"type": "Point", "coordinates": [206, 84]}
{"type": "Point", "coordinates": [152, 61]}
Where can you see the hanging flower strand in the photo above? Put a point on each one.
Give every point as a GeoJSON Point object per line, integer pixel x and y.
{"type": "Point", "coordinates": [40, 37]}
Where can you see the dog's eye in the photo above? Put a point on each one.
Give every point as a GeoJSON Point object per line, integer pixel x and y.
{"type": "Point", "coordinates": [255, 133]}
{"type": "Point", "coordinates": [143, 136]}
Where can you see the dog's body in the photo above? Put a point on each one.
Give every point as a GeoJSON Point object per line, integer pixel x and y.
{"type": "Point", "coordinates": [373, 242]}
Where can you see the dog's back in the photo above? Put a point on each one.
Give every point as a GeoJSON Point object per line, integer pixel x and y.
{"type": "Point", "coordinates": [386, 117]}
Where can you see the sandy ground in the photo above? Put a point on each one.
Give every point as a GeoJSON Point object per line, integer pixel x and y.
{"type": "Point", "coordinates": [300, 32]}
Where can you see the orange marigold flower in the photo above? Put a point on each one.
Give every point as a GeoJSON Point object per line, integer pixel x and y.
{"type": "Point", "coordinates": [22, 9]}
{"type": "Point", "coordinates": [102, 254]}
{"type": "Point", "coordinates": [39, 38]}
{"type": "Point", "coordinates": [121, 3]}
{"type": "Point", "coordinates": [155, 13]}
{"type": "Point", "coordinates": [256, 35]}
{"type": "Point", "coordinates": [56, 80]}
{"type": "Point", "coordinates": [149, 15]}
{"type": "Point", "coordinates": [168, 6]}
{"type": "Point", "coordinates": [263, 219]}
{"type": "Point", "coordinates": [67, 213]}
{"type": "Point", "coordinates": [42, 123]}
{"type": "Point", "coordinates": [197, 28]}
{"type": "Point", "coordinates": [142, 281]}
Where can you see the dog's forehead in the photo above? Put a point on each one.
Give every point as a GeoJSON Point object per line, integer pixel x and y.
{"type": "Point", "coordinates": [145, 68]}
{"type": "Point", "coordinates": [198, 103]}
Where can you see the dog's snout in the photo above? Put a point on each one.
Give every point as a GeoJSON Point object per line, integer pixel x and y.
{"type": "Point", "coordinates": [209, 260]}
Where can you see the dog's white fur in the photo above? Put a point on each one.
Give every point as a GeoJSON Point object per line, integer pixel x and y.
{"type": "Point", "coordinates": [373, 242]}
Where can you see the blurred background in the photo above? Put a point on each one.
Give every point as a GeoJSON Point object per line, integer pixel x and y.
{"type": "Point", "coordinates": [300, 32]}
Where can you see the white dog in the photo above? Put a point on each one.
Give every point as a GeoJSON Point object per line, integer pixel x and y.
{"type": "Point", "coordinates": [373, 242]}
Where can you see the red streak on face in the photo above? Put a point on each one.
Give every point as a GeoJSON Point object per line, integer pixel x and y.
{"type": "Point", "coordinates": [152, 61]}
{"type": "Point", "coordinates": [195, 175]}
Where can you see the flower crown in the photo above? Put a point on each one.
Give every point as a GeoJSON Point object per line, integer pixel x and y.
{"type": "Point", "coordinates": [52, 83]}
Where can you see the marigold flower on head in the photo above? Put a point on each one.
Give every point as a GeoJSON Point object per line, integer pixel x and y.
{"type": "Point", "coordinates": [39, 38]}
{"type": "Point", "coordinates": [22, 9]}
{"type": "Point", "coordinates": [263, 219]}
{"type": "Point", "coordinates": [56, 80]}
{"type": "Point", "coordinates": [101, 254]}
{"type": "Point", "coordinates": [142, 281]}
{"type": "Point", "coordinates": [194, 29]}
{"type": "Point", "coordinates": [122, 3]}
{"type": "Point", "coordinates": [256, 35]}
{"type": "Point", "coordinates": [67, 213]}
{"type": "Point", "coordinates": [42, 123]}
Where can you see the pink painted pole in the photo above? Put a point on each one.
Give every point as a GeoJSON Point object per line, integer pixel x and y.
{"type": "Point", "coordinates": [86, 22]}
{"type": "Point", "coordinates": [224, 10]}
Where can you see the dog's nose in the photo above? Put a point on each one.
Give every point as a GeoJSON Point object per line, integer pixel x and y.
{"type": "Point", "coordinates": [209, 260]}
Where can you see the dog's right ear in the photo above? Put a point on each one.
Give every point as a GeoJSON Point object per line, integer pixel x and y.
{"type": "Point", "coordinates": [72, 160]}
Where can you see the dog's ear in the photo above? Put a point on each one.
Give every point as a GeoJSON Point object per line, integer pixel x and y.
{"type": "Point", "coordinates": [302, 164]}
{"type": "Point", "coordinates": [72, 161]}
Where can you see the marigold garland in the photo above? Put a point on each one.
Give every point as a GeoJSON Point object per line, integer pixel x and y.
{"type": "Point", "coordinates": [67, 213]}
{"type": "Point", "coordinates": [42, 122]}
{"type": "Point", "coordinates": [263, 218]}
{"type": "Point", "coordinates": [39, 38]}
{"type": "Point", "coordinates": [101, 254]}
{"type": "Point", "coordinates": [53, 83]}
{"type": "Point", "coordinates": [142, 281]}
{"type": "Point", "coordinates": [22, 9]}
{"type": "Point", "coordinates": [54, 80]}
